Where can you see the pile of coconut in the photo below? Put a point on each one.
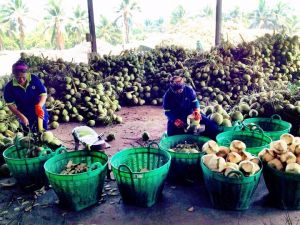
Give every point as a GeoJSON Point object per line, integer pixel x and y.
{"type": "Point", "coordinates": [235, 158]}
{"type": "Point", "coordinates": [283, 154]}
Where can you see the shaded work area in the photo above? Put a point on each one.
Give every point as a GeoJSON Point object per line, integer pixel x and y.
{"type": "Point", "coordinates": [181, 204]}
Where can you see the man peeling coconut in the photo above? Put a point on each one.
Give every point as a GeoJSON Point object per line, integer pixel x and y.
{"type": "Point", "coordinates": [180, 104]}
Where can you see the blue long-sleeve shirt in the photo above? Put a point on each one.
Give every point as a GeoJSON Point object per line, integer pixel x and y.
{"type": "Point", "coordinates": [179, 106]}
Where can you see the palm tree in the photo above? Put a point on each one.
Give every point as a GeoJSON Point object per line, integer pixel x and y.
{"type": "Point", "coordinates": [153, 25]}
{"type": "Point", "coordinates": [55, 22]}
{"type": "Point", "coordinates": [262, 16]}
{"type": "Point", "coordinates": [178, 14]}
{"type": "Point", "coordinates": [293, 24]}
{"type": "Point", "coordinates": [234, 14]}
{"type": "Point", "coordinates": [77, 25]}
{"type": "Point", "coordinates": [14, 12]}
{"type": "Point", "coordinates": [207, 12]}
{"type": "Point", "coordinates": [109, 31]}
{"type": "Point", "coordinates": [125, 11]}
{"type": "Point", "coordinates": [280, 15]}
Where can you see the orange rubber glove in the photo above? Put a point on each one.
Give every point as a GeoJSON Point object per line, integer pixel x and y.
{"type": "Point", "coordinates": [178, 123]}
{"type": "Point", "coordinates": [197, 114]}
{"type": "Point", "coordinates": [39, 111]}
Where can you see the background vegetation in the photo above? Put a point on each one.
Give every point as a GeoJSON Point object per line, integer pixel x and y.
{"type": "Point", "coordinates": [55, 30]}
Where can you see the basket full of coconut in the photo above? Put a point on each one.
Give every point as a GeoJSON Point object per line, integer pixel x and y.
{"type": "Point", "coordinates": [231, 175]}
{"type": "Point", "coordinates": [282, 171]}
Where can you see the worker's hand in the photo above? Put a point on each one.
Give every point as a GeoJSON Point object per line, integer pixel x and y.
{"type": "Point", "coordinates": [39, 111]}
{"type": "Point", "coordinates": [197, 114]}
{"type": "Point", "coordinates": [178, 123]}
{"type": "Point", "coordinates": [24, 120]}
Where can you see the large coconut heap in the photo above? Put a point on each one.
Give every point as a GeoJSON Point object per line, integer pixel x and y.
{"type": "Point", "coordinates": [240, 79]}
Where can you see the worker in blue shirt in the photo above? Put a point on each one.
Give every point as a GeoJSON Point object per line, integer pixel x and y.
{"type": "Point", "coordinates": [179, 102]}
{"type": "Point", "coordinates": [25, 96]}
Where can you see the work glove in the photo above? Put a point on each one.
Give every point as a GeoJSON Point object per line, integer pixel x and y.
{"type": "Point", "coordinates": [39, 111]}
{"type": "Point", "coordinates": [178, 123]}
{"type": "Point", "coordinates": [197, 114]}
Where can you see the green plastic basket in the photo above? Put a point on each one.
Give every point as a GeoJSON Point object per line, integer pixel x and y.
{"type": "Point", "coordinates": [284, 188]}
{"type": "Point", "coordinates": [273, 127]}
{"type": "Point", "coordinates": [137, 187]}
{"type": "Point", "coordinates": [29, 172]}
{"type": "Point", "coordinates": [230, 193]}
{"type": "Point", "coordinates": [184, 165]}
{"type": "Point", "coordinates": [77, 191]}
{"type": "Point", "coordinates": [255, 140]}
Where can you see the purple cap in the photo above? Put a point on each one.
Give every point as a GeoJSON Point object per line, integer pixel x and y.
{"type": "Point", "coordinates": [19, 67]}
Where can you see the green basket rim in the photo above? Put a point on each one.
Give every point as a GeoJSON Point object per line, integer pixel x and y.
{"type": "Point", "coordinates": [139, 148]}
{"type": "Point", "coordinates": [246, 132]}
{"type": "Point", "coordinates": [42, 157]}
{"type": "Point", "coordinates": [266, 119]}
{"type": "Point", "coordinates": [78, 174]}
{"type": "Point", "coordinates": [203, 138]}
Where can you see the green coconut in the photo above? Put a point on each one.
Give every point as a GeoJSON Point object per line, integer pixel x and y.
{"type": "Point", "coordinates": [237, 116]}
{"type": "Point", "coordinates": [218, 109]}
{"type": "Point", "coordinates": [91, 123]}
{"type": "Point", "coordinates": [244, 108]}
{"type": "Point", "coordinates": [119, 119]}
{"type": "Point", "coordinates": [55, 143]}
{"type": "Point", "coordinates": [47, 136]}
{"type": "Point", "coordinates": [226, 123]}
{"type": "Point", "coordinates": [145, 136]}
{"type": "Point", "coordinates": [54, 125]}
{"type": "Point", "coordinates": [79, 118]}
{"type": "Point", "coordinates": [110, 137]}
{"type": "Point", "coordinates": [217, 117]}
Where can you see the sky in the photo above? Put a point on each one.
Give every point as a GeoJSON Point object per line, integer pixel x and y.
{"type": "Point", "coordinates": [150, 9]}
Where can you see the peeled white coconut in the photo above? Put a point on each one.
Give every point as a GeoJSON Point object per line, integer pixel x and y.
{"type": "Point", "coordinates": [237, 146]}
{"type": "Point", "coordinates": [210, 147]}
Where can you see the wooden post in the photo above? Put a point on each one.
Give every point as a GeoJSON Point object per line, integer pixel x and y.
{"type": "Point", "coordinates": [92, 26]}
{"type": "Point", "coordinates": [218, 23]}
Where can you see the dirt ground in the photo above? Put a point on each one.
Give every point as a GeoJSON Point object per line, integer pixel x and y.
{"type": "Point", "coordinates": [18, 207]}
{"type": "Point", "coordinates": [136, 120]}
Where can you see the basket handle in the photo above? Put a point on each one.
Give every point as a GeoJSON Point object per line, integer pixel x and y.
{"type": "Point", "coordinates": [240, 126]}
{"type": "Point", "coordinates": [60, 150]}
{"type": "Point", "coordinates": [153, 143]}
{"type": "Point", "coordinates": [45, 151]}
{"type": "Point", "coordinates": [149, 146]}
{"type": "Point", "coordinates": [275, 116]}
{"type": "Point", "coordinates": [259, 130]}
{"type": "Point", "coordinates": [130, 172]}
{"type": "Point", "coordinates": [123, 165]}
{"type": "Point", "coordinates": [236, 172]}
{"type": "Point", "coordinates": [94, 166]}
